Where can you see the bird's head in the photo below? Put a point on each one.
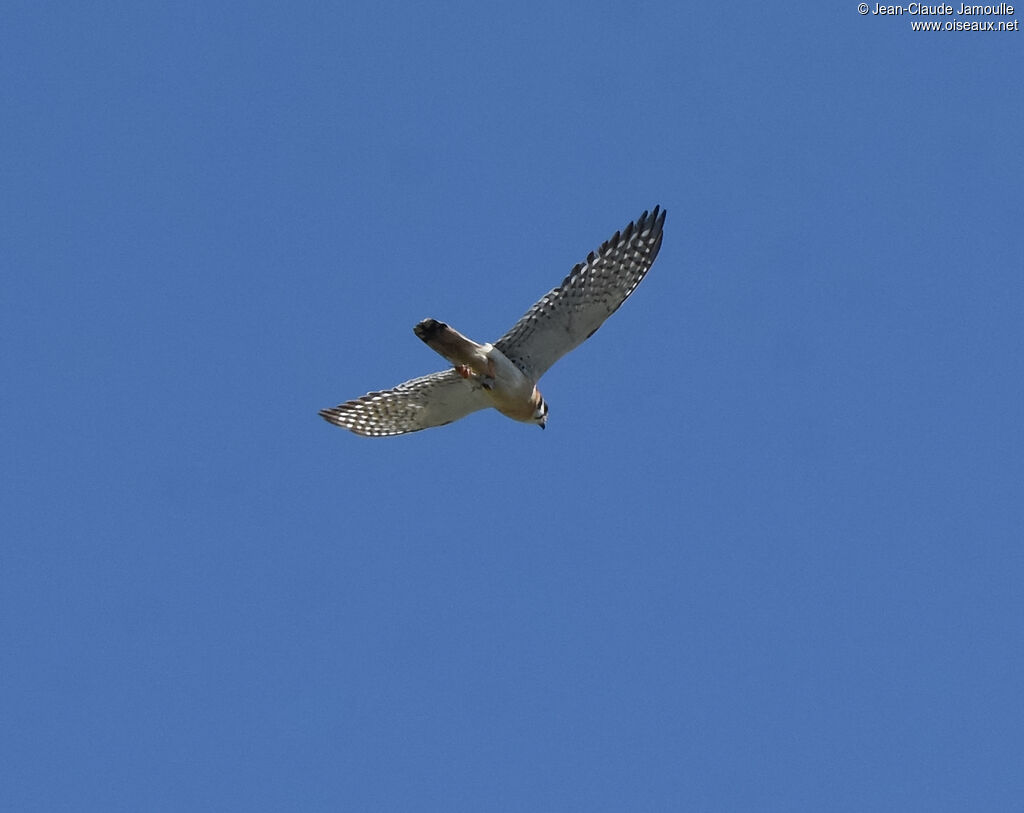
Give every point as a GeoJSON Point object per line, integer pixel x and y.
{"type": "Point", "coordinates": [540, 409]}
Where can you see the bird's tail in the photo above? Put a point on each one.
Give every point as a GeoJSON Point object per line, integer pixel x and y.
{"type": "Point", "coordinates": [451, 344]}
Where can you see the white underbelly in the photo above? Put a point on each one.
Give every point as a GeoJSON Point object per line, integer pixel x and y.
{"type": "Point", "coordinates": [512, 391]}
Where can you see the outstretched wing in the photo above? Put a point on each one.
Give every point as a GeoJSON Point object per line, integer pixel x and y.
{"type": "Point", "coordinates": [566, 316]}
{"type": "Point", "coordinates": [431, 400]}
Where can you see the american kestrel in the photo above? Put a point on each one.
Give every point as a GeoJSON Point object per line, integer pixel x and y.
{"type": "Point", "coordinates": [504, 374]}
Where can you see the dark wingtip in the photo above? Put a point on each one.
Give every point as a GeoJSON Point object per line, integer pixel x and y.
{"type": "Point", "coordinates": [657, 217]}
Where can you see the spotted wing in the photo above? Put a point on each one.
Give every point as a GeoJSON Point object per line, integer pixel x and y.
{"type": "Point", "coordinates": [431, 400]}
{"type": "Point", "coordinates": [566, 316]}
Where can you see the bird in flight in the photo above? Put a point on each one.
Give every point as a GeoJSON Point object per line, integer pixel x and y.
{"type": "Point", "coordinates": [504, 374]}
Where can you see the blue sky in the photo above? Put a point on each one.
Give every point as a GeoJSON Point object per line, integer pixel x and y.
{"type": "Point", "coordinates": [766, 556]}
